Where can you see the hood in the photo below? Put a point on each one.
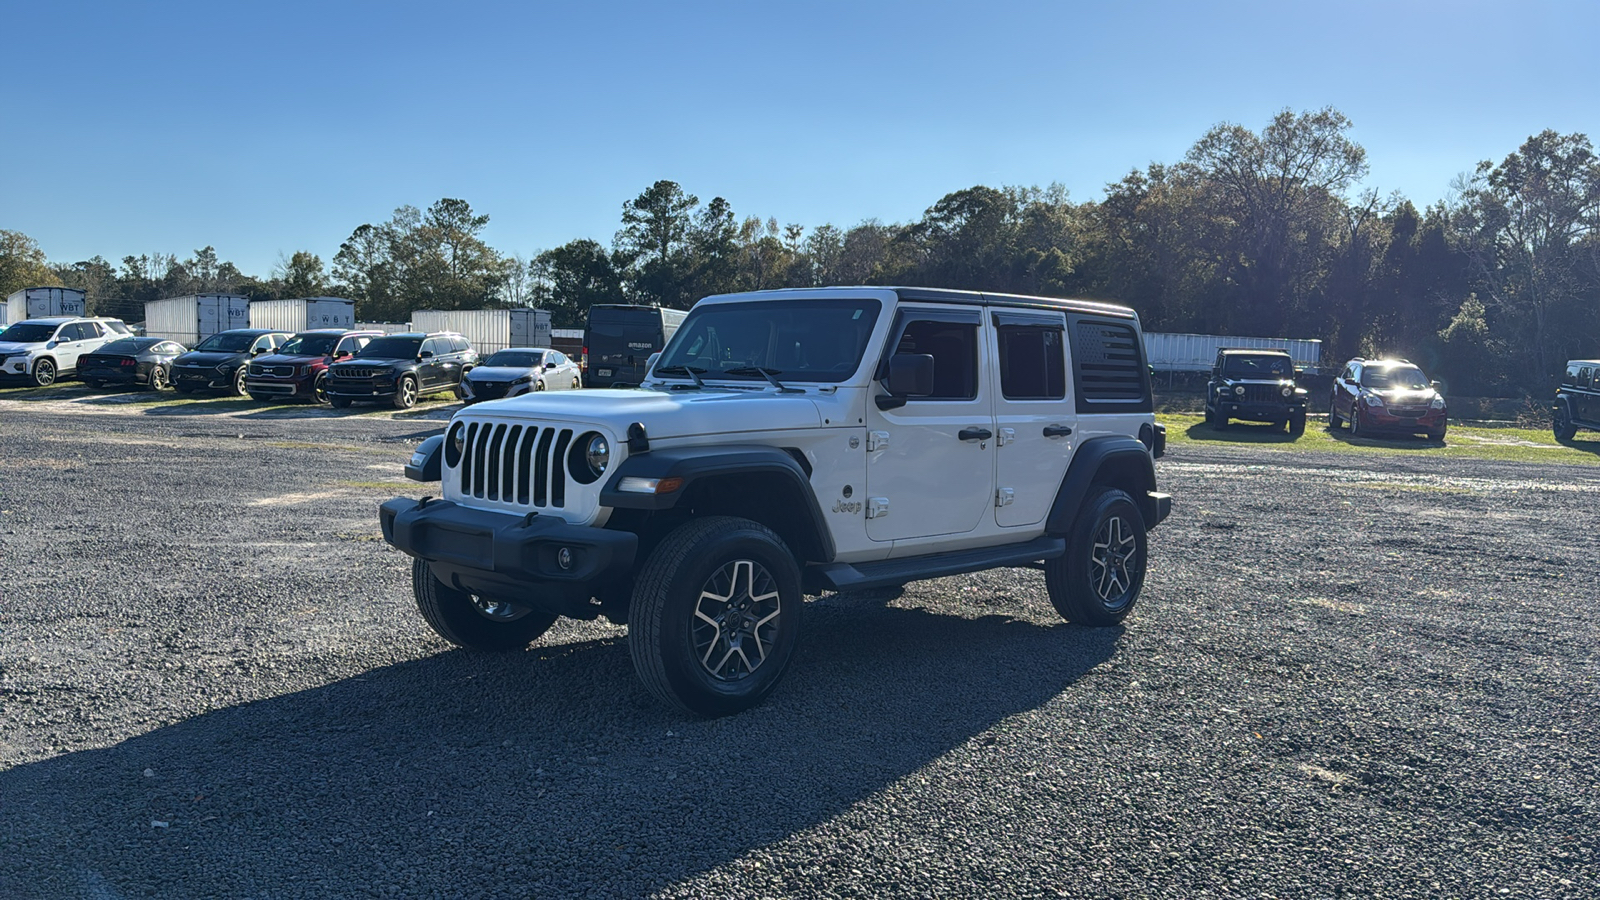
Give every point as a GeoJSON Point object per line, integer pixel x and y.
{"type": "Point", "coordinates": [19, 347]}
{"type": "Point", "coordinates": [1405, 396]}
{"type": "Point", "coordinates": [299, 359]}
{"type": "Point", "coordinates": [667, 414]}
{"type": "Point", "coordinates": [499, 373]}
{"type": "Point", "coordinates": [209, 357]}
{"type": "Point", "coordinates": [379, 361]}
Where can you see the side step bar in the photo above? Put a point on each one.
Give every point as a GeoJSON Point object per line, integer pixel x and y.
{"type": "Point", "coordinates": [893, 572]}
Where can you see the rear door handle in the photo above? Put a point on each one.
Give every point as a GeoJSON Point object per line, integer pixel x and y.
{"type": "Point", "coordinates": [1057, 431]}
{"type": "Point", "coordinates": [975, 434]}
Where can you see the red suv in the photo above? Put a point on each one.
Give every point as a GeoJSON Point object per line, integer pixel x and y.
{"type": "Point", "coordinates": [1387, 395]}
{"type": "Point", "coordinates": [299, 368]}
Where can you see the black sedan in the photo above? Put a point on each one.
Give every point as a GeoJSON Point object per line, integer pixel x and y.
{"type": "Point", "coordinates": [132, 360]}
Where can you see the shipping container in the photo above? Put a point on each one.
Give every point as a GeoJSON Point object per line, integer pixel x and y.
{"type": "Point", "coordinates": [195, 317]}
{"type": "Point", "coordinates": [303, 314]}
{"type": "Point", "coordinates": [385, 327]}
{"type": "Point", "coordinates": [568, 341]}
{"type": "Point", "coordinates": [43, 302]}
{"type": "Point", "coordinates": [1197, 352]}
{"type": "Point", "coordinates": [488, 329]}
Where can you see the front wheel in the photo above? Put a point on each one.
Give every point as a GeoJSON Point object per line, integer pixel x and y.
{"type": "Point", "coordinates": [473, 621]}
{"type": "Point", "coordinates": [319, 389]}
{"type": "Point", "coordinates": [1097, 580]}
{"type": "Point", "coordinates": [405, 393]}
{"type": "Point", "coordinates": [1355, 421]}
{"type": "Point", "coordinates": [44, 373]}
{"type": "Point", "coordinates": [715, 615]}
{"type": "Point", "coordinates": [237, 388]}
{"type": "Point", "coordinates": [1297, 424]}
{"type": "Point", "coordinates": [1563, 427]}
{"type": "Point", "coordinates": [1438, 433]}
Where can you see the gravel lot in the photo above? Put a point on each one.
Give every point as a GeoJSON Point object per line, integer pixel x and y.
{"type": "Point", "coordinates": [1348, 675]}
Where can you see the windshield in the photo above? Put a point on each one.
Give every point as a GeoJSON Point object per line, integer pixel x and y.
{"type": "Point", "coordinates": [516, 359]}
{"type": "Point", "coordinates": [310, 345]}
{"type": "Point", "coordinates": [128, 345]}
{"type": "Point", "coordinates": [1256, 366]}
{"type": "Point", "coordinates": [26, 333]}
{"type": "Point", "coordinates": [228, 342]}
{"type": "Point", "coordinates": [392, 348]}
{"type": "Point", "coordinates": [1397, 377]}
{"type": "Point", "coordinates": [799, 340]}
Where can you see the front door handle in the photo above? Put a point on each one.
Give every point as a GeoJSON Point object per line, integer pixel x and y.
{"type": "Point", "coordinates": [975, 434]}
{"type": "Point", "coordinates": [1057, 431]}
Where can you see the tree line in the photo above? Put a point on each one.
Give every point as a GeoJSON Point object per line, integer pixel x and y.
{"type": "Point", "coordinates": [1263, 233]}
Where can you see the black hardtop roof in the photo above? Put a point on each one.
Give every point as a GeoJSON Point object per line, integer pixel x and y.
{"type": "Point", "coordinates": [1254, 350]}
{"type": "Point", "coordinates": [950, 295]}
{"type": "Point", "coordinates": [1583, 362]}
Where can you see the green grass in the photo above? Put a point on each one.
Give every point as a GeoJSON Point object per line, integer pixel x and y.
{"type": "Point", "coordinates": [1507, 444]}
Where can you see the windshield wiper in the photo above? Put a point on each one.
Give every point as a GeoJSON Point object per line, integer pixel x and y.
{"type": "Point", "coordinates": [768, 374]}
{"type": "Point", "coordinates": [692, 371]}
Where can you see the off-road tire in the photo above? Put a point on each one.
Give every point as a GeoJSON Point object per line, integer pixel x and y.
{"type": "Point", "coordinates": [44, 373]}
{"type": "Point", "coordinates": [405, 392]}
{"type": "Point", "coordinates": [1562, 425]}
{"type": "Point", "coordinates": [680, 579]}
{"type": "Point", "coordinates": [1211, 417]}
{"type": "Point", "coordinates": [458, 618]}
{"type": "Point", "coordinates": [1087, 585]}
{"type": "Point", "coordinates": [1297, 424]}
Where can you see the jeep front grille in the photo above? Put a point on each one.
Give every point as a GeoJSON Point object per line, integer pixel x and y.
{"type": "Point", "coordinates": [521, 464]}
{"type": "Point", "coordinates": [1263, 393]}
{"type": "Point", "coordinates": [360, 371]}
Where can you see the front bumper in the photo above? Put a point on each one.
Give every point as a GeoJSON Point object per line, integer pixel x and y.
{"type": "Point", "coordinates": [1259, 412]}
{"type": "Point", "coordinates": [504, 555]}
{"type": "Point", "coordinates": [207, 377]}
{"type": "Point", "coordinates": [279, 387]}
{"type": "Point", "coordinates": [1382, 419]}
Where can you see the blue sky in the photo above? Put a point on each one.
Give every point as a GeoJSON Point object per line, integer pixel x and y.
{"type": "Point", "coordinates": [268, 128]}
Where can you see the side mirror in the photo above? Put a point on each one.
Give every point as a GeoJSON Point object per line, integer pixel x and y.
{"type": "Point", "coordinates": [1436, 386]}
{"type": "Point", "coordinates": [910, 375]}
{"type": "Point", "coordinates": [257, 351]}
{"type": "Point", "coordinates": [426, 354]}
{"type": "Point", "coordinates": [549, 365]}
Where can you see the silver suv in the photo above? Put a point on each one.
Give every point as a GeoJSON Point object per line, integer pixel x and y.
{"type": "Point", "coordinates": [789, 443]}
{"type": "Point", "coordinates": [43, 350]}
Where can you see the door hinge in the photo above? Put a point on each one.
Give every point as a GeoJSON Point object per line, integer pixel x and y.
{"type": "Point", "coordinates": [877, 507]}
{"type": "Point", "coordinates": [1007, 435]}
{"type": "Point", "coordinates": [877, 440]}
{"type": "Point", "coordinates": [1005, 496]}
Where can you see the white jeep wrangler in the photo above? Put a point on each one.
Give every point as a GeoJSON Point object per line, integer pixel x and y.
{"type": "Point", "coordinates": [793, 442]}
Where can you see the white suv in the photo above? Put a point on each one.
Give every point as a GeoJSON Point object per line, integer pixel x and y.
{"type": "Point", "coordinates": [42, 350]}
{"type": "Point", "coordinates": [793, 442]}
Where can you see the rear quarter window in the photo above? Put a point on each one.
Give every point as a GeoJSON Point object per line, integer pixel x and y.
{"type": "Point", "coordinates": [1108, 365]}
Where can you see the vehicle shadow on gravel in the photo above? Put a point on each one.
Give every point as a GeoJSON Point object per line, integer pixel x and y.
{"type": "Point", "coordinates": [1389, 441]}
{"type": "Point", "coordinates": [545, 773]}
{"type": "Point", "coordinates": [1240, 433]}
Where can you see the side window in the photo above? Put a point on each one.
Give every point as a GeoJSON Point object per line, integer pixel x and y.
{"type": "Point", "coordinates": [1108, 365]}
{"type": "Point", "coordinates": [1033, 363]}
{"type": "Point", "coordinates": [461, 344]}
{"type": "Point", "coordinates": [1583, 376]}
{"type": "Point", "coordinates": [555, 356]}
{"type": "Point", "coordinates": [70, 332]}
{"type": "Point", "coordinates": [90, 329]}
{"type": "Point", "coordinates": [263, 343]}
{"type": "Point", "coordinates": [1572, 375]}
{"type": "Point", "coordinates": [431, 345]}
{"type": "Point", "coordinates": [954, 348]}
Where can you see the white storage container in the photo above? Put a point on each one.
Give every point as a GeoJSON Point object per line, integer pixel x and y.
{"type": "Point", "coordinates": [303, 314]}
{"type": "Point", "coordinates": [43, 302]}
{"type": "Point", "coordinates": [385, 327]}
{"type": "Point", "coordinates": [193, 318]}
{"type": "Point", "coordinates": [1197, 352]}
{"type": "Point", "coordinates": [488, 329]}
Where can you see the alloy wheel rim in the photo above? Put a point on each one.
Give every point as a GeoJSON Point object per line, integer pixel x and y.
{"type": "Point", "coordinates": [158, 378]}
{"type": "Point", "coordinates": [1115, 547]}
{"type": "Point", "coordinates": [319, 389]}
{"type": "Point", "coordinates": [736, 620]}
{"type": "Point", "coordinates": [408, 392]}
{"type": "Point", "coordinates": [45, 372]}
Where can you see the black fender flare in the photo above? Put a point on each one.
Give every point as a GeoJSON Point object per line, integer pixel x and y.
{"type": "Point", "coordinates": [1128, 459]}
{"type": "Point", "coordinates": [693, 465]}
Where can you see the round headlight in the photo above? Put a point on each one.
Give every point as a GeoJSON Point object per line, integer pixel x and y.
{"type": "Point", "coordinates": [1239, 390]}
{"type": "Point", "coordinates": [455, 444]}
{"type": "Point", "coordinates": [1288, 391]}
{"type": "Point", "coordinates": [597, 453]}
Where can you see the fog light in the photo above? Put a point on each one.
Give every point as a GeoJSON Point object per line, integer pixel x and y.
{"type": "Point", "coordinates": [564, 557]}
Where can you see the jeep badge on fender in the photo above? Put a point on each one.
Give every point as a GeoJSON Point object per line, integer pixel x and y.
{"type": "Point", "coordinates": [788, 443]}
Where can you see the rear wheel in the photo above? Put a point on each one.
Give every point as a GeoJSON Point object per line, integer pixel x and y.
{"type": "Point", "coordinates": [158, 378]}
{"type": "Point", "coordinates": [1098, 579]}
{"type": "Point", "coordinates": [715, 615]}
{"type": "Point", "coordinates": [44, 373]}
{"type": "Point", "coordinates": [94, 382]}
{"type": "Point", "coordinates": [473, 621]}
{"type": "Point", "coordinates": [575, 384]}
